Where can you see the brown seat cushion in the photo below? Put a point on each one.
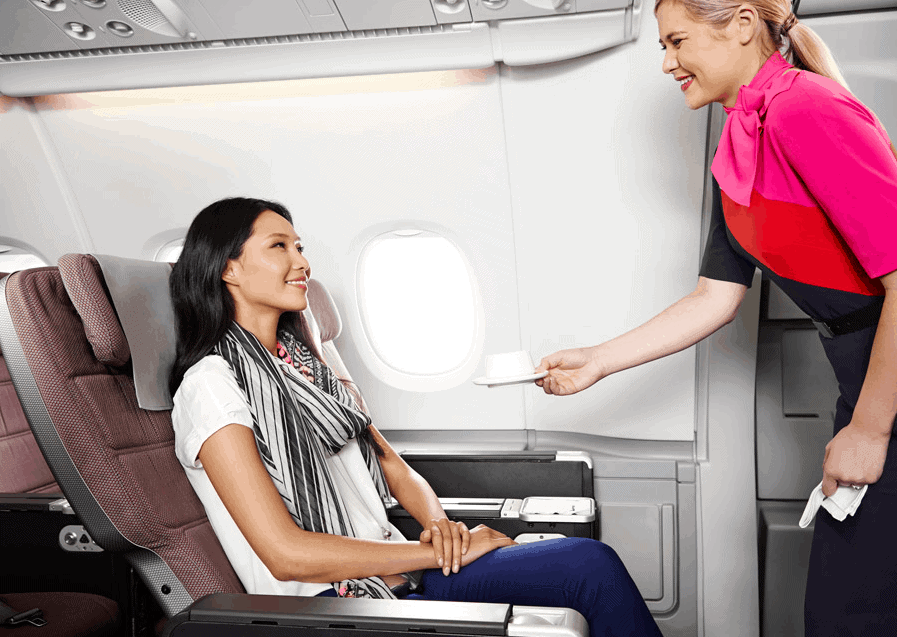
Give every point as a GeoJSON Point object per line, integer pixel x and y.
{"type": "Point", "coordinates": [66, 614]}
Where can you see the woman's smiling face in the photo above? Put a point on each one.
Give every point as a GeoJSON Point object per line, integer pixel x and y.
{"type": "Point", "coordinates": [271, 274]}
{"type": "Point", "coordinates": [707, 62]}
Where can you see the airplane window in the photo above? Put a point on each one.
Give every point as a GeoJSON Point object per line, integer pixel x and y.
{"type": "Point", "coordinates": [170, 252]}
{"type": "Point", "coordinates": [13, 258]}
{"type": "Point", "coordinates": [417, 302]}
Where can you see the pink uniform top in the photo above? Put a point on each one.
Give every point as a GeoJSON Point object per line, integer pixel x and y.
{"type": "Point", "coordinates": [809, 181]}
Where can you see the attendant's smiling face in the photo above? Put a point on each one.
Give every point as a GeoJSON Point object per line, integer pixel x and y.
{"type": "Point", "coordinates": [271, 274]}
{"type": "Point", "coordinates": [707, 62]}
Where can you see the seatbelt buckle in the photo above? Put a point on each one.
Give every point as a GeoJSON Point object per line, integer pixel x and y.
{"type": "Point", "coordinates": [824, 329]}
{"type": "Point", "coordinates": [35, 617]}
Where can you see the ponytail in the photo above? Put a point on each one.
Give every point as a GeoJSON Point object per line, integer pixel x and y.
{"type": "Point", "coordinates": [806, 50]}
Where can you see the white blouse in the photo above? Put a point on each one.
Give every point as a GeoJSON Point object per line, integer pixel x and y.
{"type": "Point", "coordinates": [209, 399]}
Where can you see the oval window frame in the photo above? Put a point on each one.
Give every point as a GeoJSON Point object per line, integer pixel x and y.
{"type": "Point", "coordinates": [163, 254]}
{"type": "Point", "coordinates": [373, 359]}
{"type": "Point", "coordinates": [9, 244]}
{"type": "Point", "coordinates": [158, 245]}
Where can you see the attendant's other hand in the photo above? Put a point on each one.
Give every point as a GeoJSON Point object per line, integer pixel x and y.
{"type": "Point", "coordinates": [450, 540]}
{"type": "Point", "coordinates": [484, 540]}
{"type": "Point", "coordinates": [854, 457]}
{"type": "Point", "coordinates": [570, 371]}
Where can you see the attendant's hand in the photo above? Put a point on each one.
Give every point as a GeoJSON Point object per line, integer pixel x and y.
{"type": "Point", "coordinates": [450, 542]}
{"type": "Point", "coordinates": [570, 371]}
{"type": "Point", "coordinates": [484, 540]}
{"type": "Point", "coordinates": [854, 457]}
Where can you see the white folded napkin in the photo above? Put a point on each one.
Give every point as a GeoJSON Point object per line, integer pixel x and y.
{"type": "Point", "coordinates": [843, 502]}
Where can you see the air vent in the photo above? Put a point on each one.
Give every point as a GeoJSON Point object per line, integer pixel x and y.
{"type": "Point", "coordinates": [146, 14]}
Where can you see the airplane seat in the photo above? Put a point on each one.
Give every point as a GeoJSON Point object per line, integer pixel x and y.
{"type": "Point", "coordinates": [115, 462]}
{"type": "Point", "coordinates": [158, 520]}
{"type": "Point", "coordinates": [26, 484]}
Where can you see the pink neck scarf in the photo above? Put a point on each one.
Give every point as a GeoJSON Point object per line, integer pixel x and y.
{"type": "Point", "coordinates": [735, 164]}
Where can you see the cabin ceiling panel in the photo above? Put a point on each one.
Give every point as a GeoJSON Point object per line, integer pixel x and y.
{"type": "Point", "coordinates": [606, 168]}
{"type": "Point", "coordinates": [62, 46]}
{"type": "Point", "coordinates": [350, 160]}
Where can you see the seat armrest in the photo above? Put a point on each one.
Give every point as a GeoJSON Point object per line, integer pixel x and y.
{"type": "Point", "coordinates": [34, 502]}
{"type": "Point", "coordinates": [229, 613]}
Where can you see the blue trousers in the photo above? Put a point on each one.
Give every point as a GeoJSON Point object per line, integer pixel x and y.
{"type": "Point", "coordinates": [577, 573]}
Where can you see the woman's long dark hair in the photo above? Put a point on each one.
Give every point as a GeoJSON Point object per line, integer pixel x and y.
{"type": "Point", "coordinates": [203, 308]}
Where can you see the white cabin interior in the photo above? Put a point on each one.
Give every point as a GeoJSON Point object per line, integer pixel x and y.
{"type": "Point", "coordinates": [539, 184]}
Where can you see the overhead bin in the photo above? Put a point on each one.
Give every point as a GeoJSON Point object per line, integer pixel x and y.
{"type": "Point", "coordinates": [816, 7]}
{"type": "Point", "coordinates": [64, 46]}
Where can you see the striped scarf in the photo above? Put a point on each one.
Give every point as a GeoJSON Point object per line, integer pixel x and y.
{"type": "Point", "coordinates": [297, 425]}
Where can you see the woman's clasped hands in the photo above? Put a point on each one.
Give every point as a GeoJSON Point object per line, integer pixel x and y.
{"type": "Point", "coordinates": [454, 545]}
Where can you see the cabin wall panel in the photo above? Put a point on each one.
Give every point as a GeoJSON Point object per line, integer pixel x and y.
{"type": "Point", "coordinates": [150, 167]}
{"type": "Point", "coordinates": [433, 159]}
{"type": "Point", "coordinates": [350, 158]}
{"type": "Point", "coordinates": [606, 169]}
{"type": "Point", "coordinates": [37, 208]}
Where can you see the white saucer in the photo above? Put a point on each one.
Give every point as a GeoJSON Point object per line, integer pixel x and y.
{"type": "Point", "coordinates": [509, 380]}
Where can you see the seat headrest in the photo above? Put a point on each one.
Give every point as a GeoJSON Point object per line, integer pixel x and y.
{"type": "Point", "coordinates": [325, 313]}
{"type": "Point", "coordinates": [143, 329]}
{"type": "Point", "coordinates": [84, 283]}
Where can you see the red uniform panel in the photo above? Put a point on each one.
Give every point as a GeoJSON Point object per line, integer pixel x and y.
{"type": "Point", "coordinates": [797, 242]}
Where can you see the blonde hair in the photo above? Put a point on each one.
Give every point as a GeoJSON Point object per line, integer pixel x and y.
{"type": "Point", "coordinates": [806, 50]}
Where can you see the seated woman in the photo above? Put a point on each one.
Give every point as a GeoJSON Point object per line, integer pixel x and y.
{"type": "Point", "coordinates": [293, 475]}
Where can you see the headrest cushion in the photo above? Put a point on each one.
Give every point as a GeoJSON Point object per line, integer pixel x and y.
{"type": "Point", "coordinates": [143, 317]}
{"type": "Point", "coordinates": [325, 313]}
{"type": "Point", "coordinates": [84, 283]}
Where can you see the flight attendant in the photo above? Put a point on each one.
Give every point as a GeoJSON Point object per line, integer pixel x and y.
{"type": "Point", "coordinates": [805, 188]}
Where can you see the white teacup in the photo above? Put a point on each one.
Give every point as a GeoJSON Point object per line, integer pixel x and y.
{"type": "Point", "coordinates": [509, 365]}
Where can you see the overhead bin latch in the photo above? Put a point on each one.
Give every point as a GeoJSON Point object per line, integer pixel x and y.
{"type": "Point", "coordinates": [634, 19]}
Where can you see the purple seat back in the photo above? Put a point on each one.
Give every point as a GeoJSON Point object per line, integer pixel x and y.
{"type": "Point", "coordinates": [22, 466]}
{"type": "Point", "coordinates": [114, 461]}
